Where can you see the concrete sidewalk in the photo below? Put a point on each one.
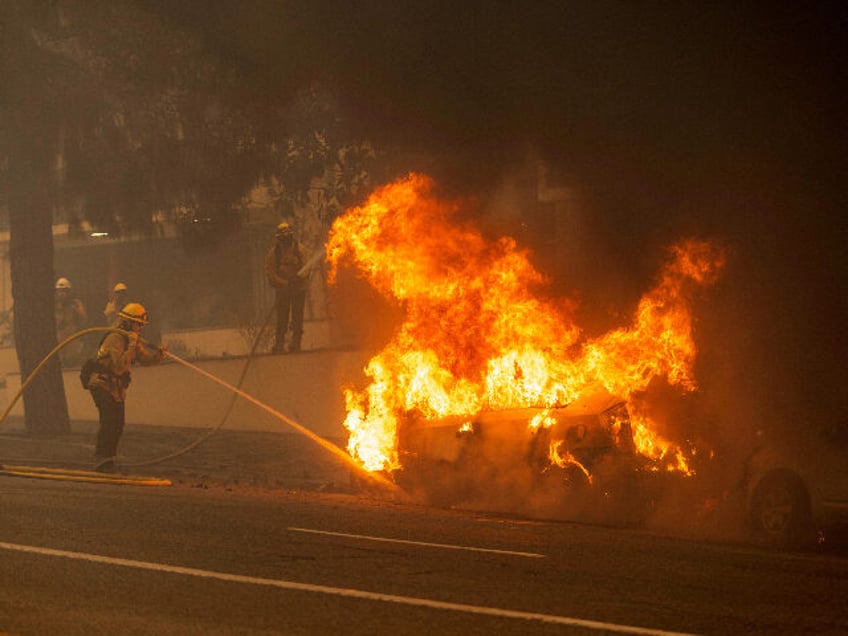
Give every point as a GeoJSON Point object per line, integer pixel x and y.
{"type": "Point", "coordinates": [190, 456]}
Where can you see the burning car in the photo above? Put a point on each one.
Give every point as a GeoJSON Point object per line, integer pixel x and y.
{"type": "Point", "coordinates": [577, 461]}
{"type": "Point", "coordinates": [793, 487]}
{"type": "Point", "coordinates": [487, 387]}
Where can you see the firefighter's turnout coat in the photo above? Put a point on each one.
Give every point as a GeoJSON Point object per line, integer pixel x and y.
{"type": "Point", "coordinates": [283, 262]}
{"type": "Point", "coordinates": [116, 355]}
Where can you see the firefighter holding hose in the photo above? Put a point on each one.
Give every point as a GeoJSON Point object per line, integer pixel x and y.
{"type": "Point", "coordinates": [283, 265]}
{"type": "Point", "coordinates": [110, 378]}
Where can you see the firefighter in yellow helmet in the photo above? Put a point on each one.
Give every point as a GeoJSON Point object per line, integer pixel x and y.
{"type": "Point", "coordinates": [283, 264]}
{"type": "Point", "coordinates": [108, 384]}
{"type": "Point", "coordinates": [117, 300]}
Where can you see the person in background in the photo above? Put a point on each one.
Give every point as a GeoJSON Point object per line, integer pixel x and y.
{"type": "Point", "coordinates": [283, 265]}
{"type": "Point", "coordinates": [109, 381]}
{"type": "Point", "coordinates": [116, 301]}
{"type": "Point", "coordinates": [71, 317]}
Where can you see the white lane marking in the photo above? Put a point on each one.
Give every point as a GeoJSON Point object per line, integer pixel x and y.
{"type": "Point", "coordinates": [447, 546]}
{"type": "Point", "coordinates": [345, 592]}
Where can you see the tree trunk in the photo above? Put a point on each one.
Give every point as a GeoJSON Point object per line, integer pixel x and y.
{"type": "Point", "coordinates": [31, 266]}
{"type": "Point", "coordinates": [30, 127]}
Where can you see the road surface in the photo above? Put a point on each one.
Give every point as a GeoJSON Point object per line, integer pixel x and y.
{"type": "Point", "coordinates": [80, 558]}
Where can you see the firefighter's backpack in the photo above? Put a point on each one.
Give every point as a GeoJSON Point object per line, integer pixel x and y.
{"type": "Point", "coordinates": [89, 368]}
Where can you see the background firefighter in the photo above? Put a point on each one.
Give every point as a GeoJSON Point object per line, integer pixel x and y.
{"type": "Point", "coordinates": [71, 317]}
{"type": "Point", "coordinates": [108, 384]}
{"type": "Point", "coordinates": [284, 260]}
{"type": "Point", "coordinates": [116, 301]}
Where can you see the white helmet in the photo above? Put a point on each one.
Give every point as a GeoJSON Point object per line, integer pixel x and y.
{"type": "Point", "coordinates": [63, 283]}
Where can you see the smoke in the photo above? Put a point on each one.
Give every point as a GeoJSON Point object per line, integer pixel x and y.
{"type": "Point", "coordinates": [494, 475]}
{"type": "Point", "coordinates": [364, 318]}
{"type": "Point", "coordinates": [769, 336]}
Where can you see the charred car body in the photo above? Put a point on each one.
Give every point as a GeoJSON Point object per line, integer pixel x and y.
{"type": "Point", "coordinates": [577, 461]}
{"type": "Point", "coordinates": [796, 487]}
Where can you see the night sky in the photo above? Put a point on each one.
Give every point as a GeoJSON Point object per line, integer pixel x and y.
{"type": "Point", "coordinates": [717, 119]}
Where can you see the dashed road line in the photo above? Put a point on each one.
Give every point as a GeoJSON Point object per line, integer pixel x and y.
{"type": "Point", "coordinates": [426, 544]}
{"type": "Point", "coordinates": [345, 592]}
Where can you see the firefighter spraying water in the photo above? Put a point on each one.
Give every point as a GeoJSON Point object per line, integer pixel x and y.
{"type": "Point", "coordinates": [133, 318]}
{"type": "Point", "coordinates": [109, 377]}
{"type": "Point", "coordinates": [285, 267]}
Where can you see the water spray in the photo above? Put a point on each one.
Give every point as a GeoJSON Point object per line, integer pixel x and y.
{"type": "Point", "coordinates": [284, 418]}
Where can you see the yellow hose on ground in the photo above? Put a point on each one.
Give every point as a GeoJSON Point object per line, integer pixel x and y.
{"type": "Point", "coordinates": [39, 472]}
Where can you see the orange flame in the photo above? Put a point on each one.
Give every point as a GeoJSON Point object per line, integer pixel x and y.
{"type": "Point", "coordinates": [476, 335]}
{"type": "Point", "coordinates": [562, 458]}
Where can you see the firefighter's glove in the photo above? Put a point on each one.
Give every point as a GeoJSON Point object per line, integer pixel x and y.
{"type": "Point", "coordinates": [132, 341]}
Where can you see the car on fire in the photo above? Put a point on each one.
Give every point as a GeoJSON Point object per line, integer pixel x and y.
{"type": "Point", "coordinates": [577, 461]}
{"type": "Point", "coordinates": [796, 488]}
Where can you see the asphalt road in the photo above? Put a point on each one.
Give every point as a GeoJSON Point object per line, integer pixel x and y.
{"type": "Point", "coordinates": [81, 558]}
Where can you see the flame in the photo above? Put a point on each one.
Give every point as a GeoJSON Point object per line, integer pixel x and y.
{"type": "Point", "coordinates": [652, 445]}
{"type": "Point", "coordinates": [562, 458]}
{"type": "Point", "coordinates": [478, 335]}
{"type": "Point", "coordinates": [543, 419]}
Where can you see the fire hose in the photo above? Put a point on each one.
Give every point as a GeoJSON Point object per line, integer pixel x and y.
{"type": "Point", "coordinates": [229, 409]}
{"type": "Point", "coordinates": [237, 391]}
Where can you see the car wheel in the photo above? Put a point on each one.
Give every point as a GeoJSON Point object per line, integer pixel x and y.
{"type": "Point", "coordinates": [780, 511]}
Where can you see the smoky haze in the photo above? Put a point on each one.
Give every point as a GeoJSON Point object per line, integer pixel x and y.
{"type": "Point", "coordinates": [663, 122]}
{"type": "Point", "coordinates": [690, 120]}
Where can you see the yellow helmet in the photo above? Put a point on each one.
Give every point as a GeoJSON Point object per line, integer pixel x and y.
{"type": "Point", "coordinates": [134, 312]}
{"type": "Point", "coordinates": [283, 229]}
{"type": "Point", "coordinates": [119, 287]}
{"type": "Point", "coordinates": [63, 283]}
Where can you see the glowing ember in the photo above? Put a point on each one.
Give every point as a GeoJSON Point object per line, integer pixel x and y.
{"type": "Point", "coordinates": [476, 334]}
